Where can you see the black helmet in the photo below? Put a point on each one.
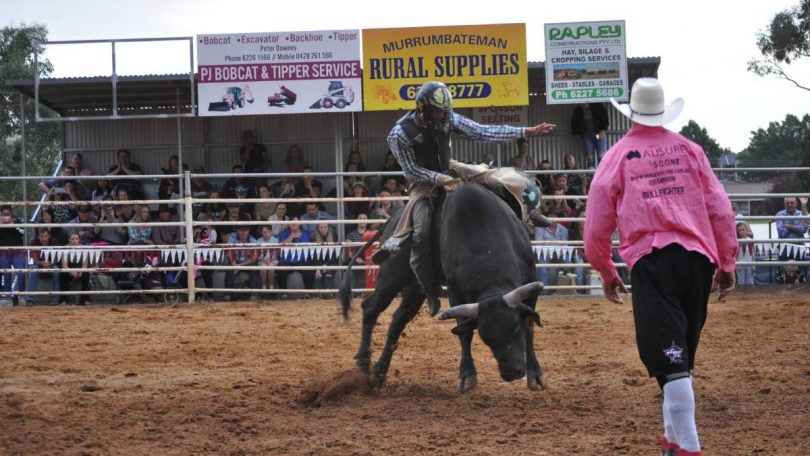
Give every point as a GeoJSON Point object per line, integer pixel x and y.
{"type": "Point", "coordinates": [433, 101]}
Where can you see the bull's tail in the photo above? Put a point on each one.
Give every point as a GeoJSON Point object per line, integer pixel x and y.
{"type": "Point", "coordinates": [345, 291]}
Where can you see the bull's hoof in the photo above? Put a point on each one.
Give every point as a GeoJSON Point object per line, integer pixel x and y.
{"type": "Point", "coordinates": [375, 380]}
{"type": "Point", "coordinates": [467, 384]}
{"type": "Point", "coordinates": [537, 383]}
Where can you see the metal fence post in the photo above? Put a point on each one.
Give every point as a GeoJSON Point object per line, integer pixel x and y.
{"type": "Point", "coordinates": [189, 219]}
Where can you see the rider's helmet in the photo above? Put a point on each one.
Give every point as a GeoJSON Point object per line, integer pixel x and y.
{"type": "Point", "coordinates": [433, 101]}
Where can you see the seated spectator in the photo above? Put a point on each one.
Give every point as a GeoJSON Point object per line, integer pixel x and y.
{"type": "Point", "coordinates": [523, 160]}
{"type": "Point", "coordinates": [263, 209]}
{"type": "Point", "coordinates": [57, 184]}
{"type": "Point", "coordinates": [313, 214]}
{"type": "Point", "coordinates": [139, 232]}
{"type": "Point", "coordinates": [230, 185]}
{"type": "Point", "coordinates": [561, 188]}
{"type": "Point", "coordinates": [103, 188]}
{"type": "Point", "coordinates": [575, 233]}
{"type": "Point", "coordinates": [390, 164]}
{"type": "Point", "coordinates": [245, 207]}
{"type": "Point", "coordinates": [58, 234]}
{"type": "Point", "coordinates": [253, 155]}
{"type": "Point", "coordinates": [352, 208]}
{"type": "Point", "coordinates": [11, 237]}
{"type": "Point", "coordinates": [545, 181]}
{"type": "Point", "coordinates": [747, 252]}
{"type": "Point", "coordinates": [77, 163]}
{"type": "Point", "coordinates": [791, 275]}
{"type": "Point", "coordinates": [85, 187]}
{"type": "Point", "coordinates": [86, 234]}
{"type": "Point", "coordinates": [110, 235]}
{"type": "Point", "coordinates": [294, 234]}
{"type": "Point", "coordinates": [200, 189]}
{"type": "Point", "coordinates": [125, 167]}
{"type": "Point", "coordinates": [307, 186]}
{"type": "Point", "coordinates": [578, 183]}
{"type": "Point", "coordinates": [217, 211]}
{"type": "Point", "coordinates": [356, 159]}
{"type": "Point", "coordinates": [356, 235]}
{"type": "Point", "coordinates": [39, 259]}
{"type": "Point", "coordinates": [285, 188]}
{"type": "Point", "coordinates": [125, 212]}
{"type": "Point", "coordinates": [170, 188]}
{"type": "Point", "coordinates": [69, 276]}
{"type": "Point", "coordinates": [293, 163]}
{"type": "Point", "coordinates": [233, 215]}
{"type": "Point", "coordinates": [166, 235]}
{"type": "Point", "coordinates": [790, 229]}
{"type": "Point", "coordinates": [353, 168]}
{"type": "Point", "coordinates": [268, 257]}
{"type": "Point", "coordinates": [381, 209]}
{"type": "Point", "coordinates": [279, 215]}
{"type": "Point", "coordinates": [325, 278]}
{"type": "Point", "coordinates": [241, 257]}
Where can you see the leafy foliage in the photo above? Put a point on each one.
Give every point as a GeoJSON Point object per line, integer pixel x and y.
{"type": "Point", "coordinates": [698, 134]}
{"type": "Point", "coordinates": [17, 46]}
{"type": "Point", "coordinates": [787, 39]}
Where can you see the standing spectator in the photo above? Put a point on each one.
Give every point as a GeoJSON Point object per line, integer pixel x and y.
{"type": "Point", "coordinates": [253, 155]}
{"type": "Point", "coordinates": [294, 234]}
{"type": "Point", "coordinates": [676, 238]}
{"type": "Point", "coordinates": [589, 122]}
{"type": "Point", "coordinates": [166, 235]}
{"type": "Point", "coordinates": [110, 235]}
{"type": "Point", "coordinates": [11, 237]}
{"type": "Point", "coordinates": [745, 274]}
{"type": "Point", "coordinates": [125, 167]}
{"type": "Point", "coordinates": [77, 163]}
{"type": "Point", "coordinates": [39, 259]}
{"type": "Point", "coordinates": [312, 214]}
{"type": "Point", "coordinates": [578, 257]}
{"type": "Point", "coordinates": [293, 163]}
{"type": "Point", "coordinates": [325, 278]}
{"type": "Point", "coordinates": [523, 160]}
{"type": "Point", "coordinates": [268, 257]}
{"type": "Point", "coordinates": [356, 235]}
{"type": "Point", "coordinates": [84, 215]}
{"type": "Point", "coordinates": [241, 257]}
{"type": "Point", "coordinates": [790, 229]}
{"type": "Point", "coordinates": [70, 262]}
{"type": "Point", "coordinates": [279, 215]}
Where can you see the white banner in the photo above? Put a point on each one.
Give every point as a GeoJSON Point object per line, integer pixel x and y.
{"type": "Point", "coordinates": [279, 73]}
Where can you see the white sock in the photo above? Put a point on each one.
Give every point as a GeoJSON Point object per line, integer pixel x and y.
{"type": "Point", "coordinates": [669, 430]}
{"type": "Point", "coordinates": [679, 404]}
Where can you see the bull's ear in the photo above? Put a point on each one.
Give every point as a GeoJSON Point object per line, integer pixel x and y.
{"type": "Point", "coordinates": [462, 311]}
{"type": "Point", "coordinates": [516, 296]}
{"type": "Point", "coordinates": [530, 315]}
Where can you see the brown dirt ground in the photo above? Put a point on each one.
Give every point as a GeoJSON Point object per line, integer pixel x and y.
{"type": "Point", "coordinates": [241, 378]}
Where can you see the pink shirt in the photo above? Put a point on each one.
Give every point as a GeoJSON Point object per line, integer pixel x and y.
{"type": "Point", "coordinates": [660, 188]}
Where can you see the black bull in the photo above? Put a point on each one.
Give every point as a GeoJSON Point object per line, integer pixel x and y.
{"type": "Point", "coordinates": [488, 264]}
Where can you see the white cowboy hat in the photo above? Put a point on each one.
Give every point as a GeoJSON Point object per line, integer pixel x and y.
{"type": "Point", "coordinates": [647, 104]}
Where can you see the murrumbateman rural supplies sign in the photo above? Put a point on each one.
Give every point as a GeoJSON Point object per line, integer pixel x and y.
{"type": "Point", "coordinates": [586, 62]}
{"type": "Point", "coordinates": [279, 73]}
{"type": "Point", "coordinates": [482, 65]}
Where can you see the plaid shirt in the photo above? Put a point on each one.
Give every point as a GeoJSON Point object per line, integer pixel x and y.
{"type": "Point", "coordinates": [403, 150]}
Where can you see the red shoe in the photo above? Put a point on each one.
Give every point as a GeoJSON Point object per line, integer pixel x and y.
{"type": "Point", "coordinates": [682, 452]}
{"type": "Point", "coordinates": [668, 448]}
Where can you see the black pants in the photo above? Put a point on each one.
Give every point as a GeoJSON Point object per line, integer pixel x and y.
{"type": "Point", "coordinates": [671, 288]}
{"type": "Point", "coordinates": [68, 279]}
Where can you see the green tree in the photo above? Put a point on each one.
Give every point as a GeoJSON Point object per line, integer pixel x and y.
{"type": "Point", "coordinates": [698, 134]}
{"type": "Point", "coordinates": [782, 144]}
{"type": "Point", "coordinates": [17, 46]}
{"type": "Point", "coordinates": [787, 39]}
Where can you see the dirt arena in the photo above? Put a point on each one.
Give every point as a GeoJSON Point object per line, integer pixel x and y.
{"type": "Point", "coordinates": [244, 378]}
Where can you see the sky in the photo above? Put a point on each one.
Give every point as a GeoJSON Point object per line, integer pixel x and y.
{"type": "Point", "coordinates": [703, 51]}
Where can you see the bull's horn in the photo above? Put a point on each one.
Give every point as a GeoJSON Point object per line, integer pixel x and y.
{"type": "Point", "coordinates": [462, 311]}
{"type": "Point", "coordinates": [516, 296]}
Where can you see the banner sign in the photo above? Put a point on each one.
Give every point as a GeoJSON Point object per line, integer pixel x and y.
{"type": "Point", "coordinates": [279, 73]}
{"type": "Point", "coordinates": [482, 65]}
{"type": "Point", "coordinates": [517, 116]}
{"type": "Point", "coordinates": [586, 62]}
